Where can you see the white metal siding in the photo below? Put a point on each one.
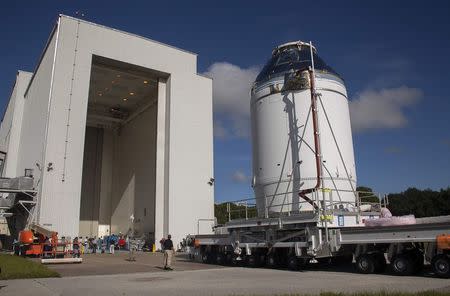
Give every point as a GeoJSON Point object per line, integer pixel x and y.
{"type": "Point", "coordinates": [35, 116]}
{"type": "Point", "coordinates": [23, 79]}
{"type": "Point", "coordinates": [191, 156]}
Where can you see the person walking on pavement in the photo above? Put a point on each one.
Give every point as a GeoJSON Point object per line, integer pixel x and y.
{"type": "Point", "coordinates": [168, 253]}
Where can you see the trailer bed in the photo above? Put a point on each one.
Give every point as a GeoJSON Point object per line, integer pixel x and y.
{"type": "Point", "coordinates": [425, 230]}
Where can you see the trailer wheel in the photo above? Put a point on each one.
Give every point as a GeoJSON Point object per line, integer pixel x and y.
{"type": "Point", "coordinates": [441, 265]}
{"type": "Point", "coordinates": [403, 265]}
{"type": "Point", "coordinates": [293, 263]}
{"type": "Point", "coordinates": [304, 262]}
{"type": "Point", "coordinates": [365, 264]}
{"type": "Point", "coordinates": [220, 259]}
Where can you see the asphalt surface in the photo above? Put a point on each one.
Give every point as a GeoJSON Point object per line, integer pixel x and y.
{"type": "Point", "coordinates": [105, 264]}
{"type": "Point", "coordinates": [221, 281]}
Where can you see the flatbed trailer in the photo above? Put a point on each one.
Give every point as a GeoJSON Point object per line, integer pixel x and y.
{"type": "Point", "coordinates": [296, 240]}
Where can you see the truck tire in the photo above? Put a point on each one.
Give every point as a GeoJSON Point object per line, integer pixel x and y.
{"type": "Point", "coordinates": [304, 262]}
{"type": "Point", "coordinates": [441, 265]}
{"type": "Point", "coordinates": [365, 264]}
{"type": "Point", "coordinates": [220, 259]}
{"type": "Point", "coordinates": [293, 263]}
{"type": "Point", "coordinates": [403, 265]}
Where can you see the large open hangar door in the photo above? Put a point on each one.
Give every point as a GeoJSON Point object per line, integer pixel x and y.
{"type": "Point", "coordinates": [119, 165]}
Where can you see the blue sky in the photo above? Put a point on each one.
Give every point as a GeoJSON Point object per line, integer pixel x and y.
{"type": "Point", "coordinates": [394, 57]}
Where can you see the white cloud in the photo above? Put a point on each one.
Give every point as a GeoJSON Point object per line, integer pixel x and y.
{"type": "Point", "coordinates": [231, 97]}
{"type": "Point", "coordinates": [384, 108]}
{"type": "Point", "coordinates": [240, 177]}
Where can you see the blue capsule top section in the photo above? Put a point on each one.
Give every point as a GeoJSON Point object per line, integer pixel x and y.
{"type": "Point", "coordinates": [292, 58]}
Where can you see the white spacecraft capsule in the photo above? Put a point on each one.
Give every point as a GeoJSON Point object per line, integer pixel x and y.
{"type": "Point", "coordinates": [301, 134]}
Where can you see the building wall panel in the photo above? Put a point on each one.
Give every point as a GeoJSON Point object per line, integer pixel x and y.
{"type": "Point", "coordinates": [191, 156]}
{"type": "Point", "coordinates": [61, 189]}
{"type": "Point", "coordinates": [35, 118]}
{"type": "Point", "coordinates": [10, 170]}
{"type": "Point", "coordinates": [6, 126]}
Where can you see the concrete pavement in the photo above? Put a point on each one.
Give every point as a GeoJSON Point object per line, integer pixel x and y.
{"type": "Point", "coordinates": [103, 264]}
{"type": "Point", "coordinates": [220, 281]}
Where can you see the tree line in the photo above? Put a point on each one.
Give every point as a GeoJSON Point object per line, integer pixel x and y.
{"type": "Point", "coordinates": [421, 203]}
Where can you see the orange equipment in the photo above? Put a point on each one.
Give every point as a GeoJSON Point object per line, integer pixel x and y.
{"type": "Point", "coordinates": [26, 237]}
{"type": "Point", "coordinates": [443, 242]}
{"type": "Point", "coordinates": [36, 242]}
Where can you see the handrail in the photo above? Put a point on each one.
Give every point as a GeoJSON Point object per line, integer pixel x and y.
{"type": "Point", "coordinates": [326, 205]}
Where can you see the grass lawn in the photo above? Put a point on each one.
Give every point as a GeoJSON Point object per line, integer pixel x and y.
{"type": "Point", "coordinates": [15, 267]}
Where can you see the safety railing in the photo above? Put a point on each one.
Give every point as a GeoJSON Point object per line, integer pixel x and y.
{"type": "Point", "coordinates": [326, 201]}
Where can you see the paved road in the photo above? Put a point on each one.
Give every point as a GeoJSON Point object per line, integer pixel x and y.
{"type": "Point", "coordinates": [96, 264]}
{"type": "Point", "coordinates": [220, 281]}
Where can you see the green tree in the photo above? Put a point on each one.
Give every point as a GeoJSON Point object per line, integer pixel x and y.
{"type": "Point", "coordinates": [366, 194]}
{"type": "Point", "coordinates": [237, 211]}
{"type": "Point", "coordinates": [421, 203]}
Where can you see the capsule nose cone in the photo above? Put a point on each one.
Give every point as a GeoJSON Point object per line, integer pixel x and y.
{"type": "Point", "coordinates": [291, 57]}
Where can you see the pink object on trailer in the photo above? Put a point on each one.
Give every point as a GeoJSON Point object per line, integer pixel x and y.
{"type": "Point", "coordinates": [391, 221]}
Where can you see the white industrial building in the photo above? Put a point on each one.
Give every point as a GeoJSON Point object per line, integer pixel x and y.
{"type": "Point", "coordinates": [113, 125]}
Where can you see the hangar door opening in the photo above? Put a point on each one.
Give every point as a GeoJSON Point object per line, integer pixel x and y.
{"type": "Point", "coordinates": [119, 165]}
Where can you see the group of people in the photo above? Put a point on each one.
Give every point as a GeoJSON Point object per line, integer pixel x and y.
{"type": "Point", "coordinates": [93, 245]}
{"type": "Point", "coordinates": [103, 244]}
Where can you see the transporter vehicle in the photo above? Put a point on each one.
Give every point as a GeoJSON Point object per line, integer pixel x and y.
{"type": "Point", "coordinates": [295, 240]}
{"type": "Point", "coordinates": [304, 181]}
